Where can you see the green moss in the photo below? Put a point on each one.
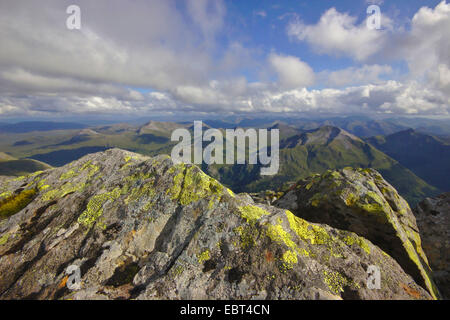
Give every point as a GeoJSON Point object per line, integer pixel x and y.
{"type": "Point", "coordinates": [16, 202]}
{"type": "Point", "coordinates": [95, 207]}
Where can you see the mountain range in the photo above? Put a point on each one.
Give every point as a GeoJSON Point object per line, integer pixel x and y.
{"type": "Point", "coordinates": [426, 155]}
{"type": "Point", "coordinates": [306, 147]}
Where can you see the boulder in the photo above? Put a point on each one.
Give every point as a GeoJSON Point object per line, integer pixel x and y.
{"type": "Point", "coordinates": [433, 219]}
{"type": "Point", "coordinates": [361, 201]}
{"type": "Point", "coordinates": [145, 228]}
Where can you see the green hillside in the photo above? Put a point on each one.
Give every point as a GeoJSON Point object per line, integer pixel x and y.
{"type": "Point", "coordinates": [424, 154]}
{"type": "Point", "coordinates": [6, 157]}
{"type": "Point", "coordinates": [316, 151]}
{"type": "Point", "coordinates": [60, 147]}
{"type": "Point", "coordinates": [301, 153]}
{"type": "Point", "coordinates": [21, 167]}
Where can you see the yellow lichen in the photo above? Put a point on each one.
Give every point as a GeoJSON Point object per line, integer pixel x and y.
{"type": "Point", "coordinates": [5, 194]}
{"type": "Point", "coordinates": [95, 207]}
{"type": "Point", "coordinates": [306, 231]}
{"type": "Point", "coordinates": [4, 239]}
{"type": "Point", "coordinates": [335, 281]}
{"type": "Point", "coordinates": [278, 234]}
{"type": "Point", "coordinates": [75, 172]}
{"type": "Point", "coordinates": [252, 213]}
{"type": "Point", "coordinates": [204, 256]}
{"type": "Point", "coordinates": [68, 175]}
{"type": "Point", "coordinates": [246, 234]}
{"type": "Point", "coordinates": [289, 259]}
{"type": "Point", "coordinates": [230, 192]}
{"type": "Point", "coordinates": [349, 240]}
{"type": "Point", "coordinates": [63, 191]}
{"type": "Point", "coordinates": [191, 185]}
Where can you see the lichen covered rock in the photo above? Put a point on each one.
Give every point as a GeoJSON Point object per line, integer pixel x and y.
{"type": "Point", "coordinates": [361, 201]}
{"type": "Point", "coordinates": [433, 219]}
{"type": "Point", "coordinates": [144, 228]}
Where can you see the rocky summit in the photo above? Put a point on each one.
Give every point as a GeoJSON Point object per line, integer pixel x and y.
{"type": "Point", "coordinates": [144, 228]}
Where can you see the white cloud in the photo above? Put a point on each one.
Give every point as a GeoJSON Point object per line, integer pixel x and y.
{"type": "Point", "coordinates": [261, 13]}
{"type": "Point", "coordinates": [377, 2]}
{"type": "Point", "coordinates": [292, 72]}
{"type": "Point", "coordinates": [426, 47]}
{"type": "Point", "coordinates": [390, 97]}
{"type": "Point", "coordinates": [208, 15]}
{"type": "Point", "coordinates": [351, 76]}
{"type": "Point", "coordinates": [339, 34]}
{"type": "Point", "coordinates": [46, 69]}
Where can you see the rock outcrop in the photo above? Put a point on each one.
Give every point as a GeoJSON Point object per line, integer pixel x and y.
{"type": "Point", "coordinates": [144, 228]}
{"type": "Point", "coordinates": [433, 219]}
{"type": "Point", "coordinates": [361, 201]}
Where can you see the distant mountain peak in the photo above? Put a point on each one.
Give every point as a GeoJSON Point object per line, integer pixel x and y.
{"type": "Point", "coordinates": [322, 135]}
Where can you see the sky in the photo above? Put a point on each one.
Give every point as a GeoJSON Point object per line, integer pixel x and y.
{"type": "Point", "coordinates": [199, 59]}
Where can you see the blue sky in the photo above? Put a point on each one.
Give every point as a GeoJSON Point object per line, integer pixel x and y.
{"type": "Point", "coordinates": [214, 58]}
{"type": "Point", "coordinates": [262, 24]}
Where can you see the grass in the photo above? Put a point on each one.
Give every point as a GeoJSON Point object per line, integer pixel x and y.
{"type": "Point", "coordinates": [21, 167]}
{"type": "Point", "coordinates": [16, 202]}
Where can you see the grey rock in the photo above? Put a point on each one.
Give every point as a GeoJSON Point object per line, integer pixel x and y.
{"type": "Point", "coordinates": [145, 228]}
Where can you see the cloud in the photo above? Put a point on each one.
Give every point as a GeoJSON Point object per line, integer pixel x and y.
{"type": "Point", "coordinates": [377, 2]}
{"type": "Point", "coordinates": [351, 76]}
{"type": "Point", "coordinates": [240, 97]}
{"type": "Point", "coordinates": [339, 34]}
{"type": "Point", "coordinates": [149, 44]}
{"type": "Point", "coordinates": [426, 47]}
{"type": "Point", "coordinates": [292, 72]}
{"type": "Point", "coordinates": [208, 15]}
{"type": "Point", "coordinates": [261, 13]}
{"type": "Point", "coordinates": [173, 55]}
